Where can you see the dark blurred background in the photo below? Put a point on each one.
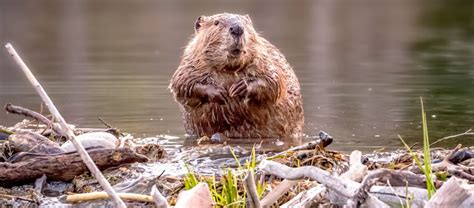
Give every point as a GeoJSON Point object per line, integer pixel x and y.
{"type": "Point", "coordinates": [362, 64]}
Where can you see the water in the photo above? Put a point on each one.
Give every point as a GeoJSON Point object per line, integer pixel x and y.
{"type": "Point", "coordinates": [362, 65]}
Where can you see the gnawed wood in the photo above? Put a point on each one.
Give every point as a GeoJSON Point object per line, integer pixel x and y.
{"type": "Point", "coordinates": [74, 198]}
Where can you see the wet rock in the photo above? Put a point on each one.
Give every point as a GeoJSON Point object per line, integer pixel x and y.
{"type": "Point", "coordinates": [93, 139]}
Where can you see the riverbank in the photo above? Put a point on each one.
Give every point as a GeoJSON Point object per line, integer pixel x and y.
{"type": "Point", "coordinates": [303, 176]}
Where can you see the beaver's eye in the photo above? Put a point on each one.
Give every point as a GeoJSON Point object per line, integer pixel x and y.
{"type": "Point", "coordinates": [216, 22]}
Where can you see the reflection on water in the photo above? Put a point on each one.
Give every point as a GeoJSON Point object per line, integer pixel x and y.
{"type": "Point", "coordinates": [362, 67]}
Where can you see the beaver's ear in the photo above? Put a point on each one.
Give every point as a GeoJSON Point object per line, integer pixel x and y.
{"type": "Point", "coordinates": [198, 23]}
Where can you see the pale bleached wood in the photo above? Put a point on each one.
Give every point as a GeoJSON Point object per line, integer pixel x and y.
{"type": "Point", "coordinates": [249, 183]}
{"type": "Point", "coordinates": [65, 128]}
{"type": "Point", "coordinates": [277, 192]}
{"type": "Point", "coordinates": [451, 194]}
{"type": "Point", "coordinates": [158, 198]}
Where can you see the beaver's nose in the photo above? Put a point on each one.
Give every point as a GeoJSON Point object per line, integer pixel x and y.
{"type": "Point", "coordinates": [236, 30]}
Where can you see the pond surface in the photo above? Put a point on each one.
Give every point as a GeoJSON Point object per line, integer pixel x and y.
{"type": "Point", "coordinates": [362, 66]}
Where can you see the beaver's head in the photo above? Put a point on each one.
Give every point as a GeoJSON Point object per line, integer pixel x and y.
{"type": "Point", "coordinates": [223, 41]}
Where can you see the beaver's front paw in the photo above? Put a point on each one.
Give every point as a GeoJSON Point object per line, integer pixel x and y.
{"type": "Point", "coordinates": [216, 95]}
{"type": "Point", "coordinates": [239, 89]}
{"type": "Point", "coordinates": [210, 93]}
{"type": "Point", "coordinates": [245, 88]}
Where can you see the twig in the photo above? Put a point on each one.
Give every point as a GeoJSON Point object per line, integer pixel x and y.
{"type": "Point", "coordinates": [105, 123]}
{"type": "Point", "coordinates": [32, 114]}
{"type": "Point", "coordinates": [159, 199]}
{"type": "Point", "coordinates": [249, 183]}
{"type": "Point", "coordinates": [277, 192]}
{"type": "Point", "coordinates": [103, 195]}
{"type": "Point", "coordinates": [466, 133]}
{"type": "Point", "coordinates": [64, 127]}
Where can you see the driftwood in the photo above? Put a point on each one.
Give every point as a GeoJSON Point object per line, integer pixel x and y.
{"type": "Point", "coordinates": [447, 165]}
{"type": "Point", "coordinates": [158, 198]}
{"type": "Point", "coordinates": [277, 192]}
{"type": "Point", "coordinates": [64, 127]}
{"type": "Point", "coordinates": [452, 194]}
{"type": "Point", "coordinates": [357, 171]}
{"type": "Point", "coordinates": [396, 178]}
{"type": "Point", "coordinates": [341, 191]}
{"type": "Point", "coordinates": [307, 198]}
{"type": "Point", "coordinates": [33, 143]}
{"type": "Point", "coordinates": [249, 184]}
{"type": "Point", "coordinates": [63, 167]}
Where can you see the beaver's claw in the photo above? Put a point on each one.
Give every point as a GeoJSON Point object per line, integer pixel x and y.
{"type": "Point", "coordinates": [216, 95]}
{"type": "Point", "coordinates": [239, 88]}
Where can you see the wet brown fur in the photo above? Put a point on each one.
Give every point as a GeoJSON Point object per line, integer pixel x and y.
{"type": "Point", "coordinates": [253, 95]}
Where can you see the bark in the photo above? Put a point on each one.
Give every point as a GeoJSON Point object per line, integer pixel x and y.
{"type": "Point", "coordinates": [63, 167]}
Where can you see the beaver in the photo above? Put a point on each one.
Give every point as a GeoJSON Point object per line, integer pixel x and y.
{"type": "Point", "coordinates": [233, 81]}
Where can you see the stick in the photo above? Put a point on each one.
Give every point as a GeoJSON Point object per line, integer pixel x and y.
{"type": "Point", "coordinates": [64, 127]}
{"type": "Point", "coordinates": [103, 195]}
{"type": "Point", "coordinates": [32, 114]}
{"type": "Point", "coordinates": [344, 187]}
{"type": "Point", "coordinates": [307, 198]}
{"type": "Point", "coordinates": [277, 192]}
{"type": "Point", "coordinates": [466, 133]}
{"type": "Point", "coordinates": [249, 183]}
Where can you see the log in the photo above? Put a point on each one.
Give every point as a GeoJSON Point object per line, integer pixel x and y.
{"type": "Point", "coordinates": [33, 143]}
{"type": "Point", "coordinates": [399, 196]}
{"type": "Point", "coordinates": [63, 167]}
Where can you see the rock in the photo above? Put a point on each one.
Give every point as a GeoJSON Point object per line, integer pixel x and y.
{"type": "Point", "coordinates": [93, 139]}
{"type": "Point", "coordinates": [199, 196]}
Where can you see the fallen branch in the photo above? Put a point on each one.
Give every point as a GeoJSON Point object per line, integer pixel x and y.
{"type": "Point", "coordinates": [344, 187]}
{"type": "Point", "coordinates": [64, 127]}
{"type": "Point", "coordinates": [307, 198]}
{"type": "Point", "coordinates": [63, 167]}
{"type": "Point", "coordinates": [398, 196]}
{"type": "Point", "coordinates": [32, 142]}
{"type": "Point", "coordinates": [395, 178]}
{"type": "Point", "coordinates": [74, 198]}
{"type": "Point", "coordinates": [32, 114]}
{"type": "Point", "coordinates": [277, 192]}
{"type": "Point", "coordinates": [249, 184]}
